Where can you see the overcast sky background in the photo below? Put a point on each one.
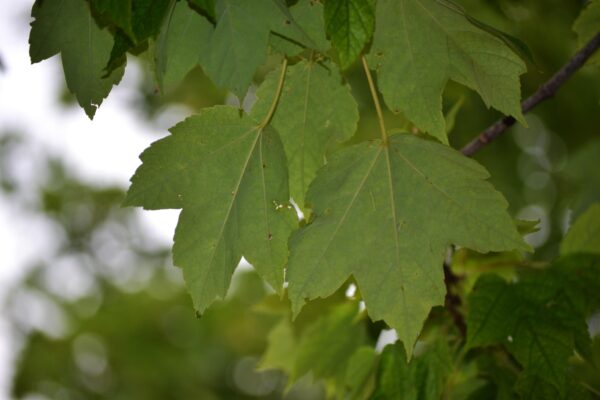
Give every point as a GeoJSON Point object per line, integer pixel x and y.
{"type": "Point", "coordinates": [103, 152]}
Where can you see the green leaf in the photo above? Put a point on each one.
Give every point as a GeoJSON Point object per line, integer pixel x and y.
{"type": "Point", "coordinates": [238, 45]}
{"type": "Point", "coordinates": [315, 110]}
{"type": "Point", "coordinates": [116, 11]}
{"type": "Point", "coordinates": [525, 227]}
{"type": "Point", "coordinates": [422, 379]}
{"type": "Point", "coordinates": [146, 18]}
{"type": "Point", "coordinates": [583, 174]}
{"type": "Point", "coordinates": [67, 27]}
{"type": "Point", "coordinates": [584, 235]}
{"type": "Point", "coordinates": [586, 27]}
{"type": "Point", "coordinates": [327, 345]}
{"type": "Point", "coordinates": [450, 116]}
{"type": "Point", "coordinates": [542, 346]}
{"type": "Point", "coordinates": [386, 214]}
{"type": "Point", "coordinates": [178, 45]}
{"type": "Point", "coordinates": [540, 319]}
{"type": "Point", "coordinates": [490, 318]}
{"type": "Point", "coordinates": [531, 387]}
{"type": "Point", "coordinates": [281, 350]}
{"type": "Point", "coordinates": [359, 380]}
{"type": "Point", "coordinates": [229, 176]}
{"type": "Point", "coordinates": [420, 44]}
{"type": "Point", "coordinates": [205, 6]}
{"type": "Point", "coordinates": [349, 24]}
{"type": "Point", "coordinates": [299, 28]}
{"type": "Point", "coordinates": [517, 45]}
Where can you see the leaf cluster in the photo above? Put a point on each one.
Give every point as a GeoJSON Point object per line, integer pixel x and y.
{"type": "Point", "coordinates": [278, 183]}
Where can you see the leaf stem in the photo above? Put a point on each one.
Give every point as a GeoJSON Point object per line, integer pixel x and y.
{"type": "Point", "coordinates": [382, 129]}
{"type": "Point", "coordinates": [269, 115]}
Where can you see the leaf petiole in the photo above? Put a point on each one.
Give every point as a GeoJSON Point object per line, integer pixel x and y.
{"type": "Point", "coordinates": [269, 115]}
{"type": "Point", "coordinates": [382, 129]}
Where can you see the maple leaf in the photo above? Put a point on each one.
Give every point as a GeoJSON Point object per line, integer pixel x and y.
{"type": "Point", "coordinates": [386, 214]}
{"type": "Point", "coordinates": [67, 27]}
{"type": "Point", "coordinates": [227, 172]}
{"type": "Point", "coordinates": [419, 45]}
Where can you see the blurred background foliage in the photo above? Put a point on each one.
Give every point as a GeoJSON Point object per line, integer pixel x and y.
{"type": "Point", "coordinates": [107, 316]}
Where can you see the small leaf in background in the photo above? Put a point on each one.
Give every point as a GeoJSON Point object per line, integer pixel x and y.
{"type": "Point", "coordinates": [584, 235]}
{"type": "Point", "coordinates": [587, 26]}
{"type": "Point", "coordinates": [349, 24]}
{"type": "Point", "coordinates": [327, 345]}
{"type": "Point", "coordinates": [450, 117]}
{"type": "Point", "coordinates": [360, 377]}
{"type": "Point", "coordinates": [281, 350]}
{"type": "Point", "coordinates": [385, 215]}
{"type": "Point", "coordinates": [67, 27]}
{"type": "Point", "coordinates": [228, 174]}
{"type": "Point", "coordinates": [179, 44]}
{"type": "Point", "coordinates": [540, 319]}
{"type": "Point", "coordinates": [419, 45]}
{"type": "Point", "coordinates": [423, 378]}
{"type": "Point", "coordinates": [525, 227]}
{"type": "Point", "coordinates": [314, 111]}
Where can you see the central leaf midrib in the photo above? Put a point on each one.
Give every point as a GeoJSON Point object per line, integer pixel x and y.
{"type": "Point", "coordinates": [341, 221]}
{"type": "Point", "coordinates": [235, 194]}
{"type": "Point", "coordinates": [304, 122]}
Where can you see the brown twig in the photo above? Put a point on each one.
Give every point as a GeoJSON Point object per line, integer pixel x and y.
{"type": "Point", "coordinates": [453, 302]}
{"type": "Point", "coordinates": [547, 90]}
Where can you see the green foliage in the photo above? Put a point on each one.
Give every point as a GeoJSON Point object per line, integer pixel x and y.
{"type": "Point", "coordinates": [303, 26]}
{"type": "Point", "coordinates": [205, 6]}
{"type": "Point", "coordinates": [350, 26]}
{"type": "Point", "coordinates": [584, 235]}
{"type": "Point", "coordinates": [178, 45]}
{"type": "Point", "coordinates": [380, 215]}
{"type": "Point", "coordinates": [401, 225]}
{"type": "Point", "coordinates": [140, 22]}
{"type": "Point", "coordinates": [238, 44]}
{"type": "Point", "coordinates": [586, 26]}
{"type": "Point", "coordinates": [540, 319]}
{"type": "Point", "coordinates": [421, 379]}
{"type": "Point", "coordinates": [419, 45]}
{"type": "Point", "coordinates": [239, 209]}
{"type": "Point", "coordinates": [315, 110]}
{"type": "Point", "coordinates": [66, 27]}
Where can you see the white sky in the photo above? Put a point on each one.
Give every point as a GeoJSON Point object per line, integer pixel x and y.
{"type": "Point", "coordinates": [104, 151]}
